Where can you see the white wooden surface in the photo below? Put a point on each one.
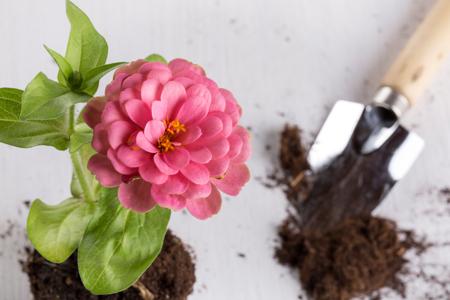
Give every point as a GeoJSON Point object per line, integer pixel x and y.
{"type": "Point", "coordinates": [280, 57]}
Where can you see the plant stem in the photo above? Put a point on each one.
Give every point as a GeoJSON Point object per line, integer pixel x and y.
{"type": "Point", "coordinates": [88, 190]}
{"type": "Point", "coordinates": [71, 119]}
{"type": "Point", "coordinates": [77, 162]}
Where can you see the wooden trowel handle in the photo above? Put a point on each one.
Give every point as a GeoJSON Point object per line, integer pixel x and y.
{"type": "Point", "coordinates": [423, 54]}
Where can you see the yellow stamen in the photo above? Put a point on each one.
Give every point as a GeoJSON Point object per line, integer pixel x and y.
{"type": "Point", "coordinates": [173, 128]}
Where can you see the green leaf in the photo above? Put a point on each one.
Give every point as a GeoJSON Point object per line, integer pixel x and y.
{"type": "Point", "coordinates": [27, 133]}
{"type": "Point", "coordinates": [86, 48]}
{"type": "Point", "coordinates": [94, 75]}
{"type": "Point", "coordinates": [45, 99]}
{"type": "Point", "coordinates": [56, 230]}
{"type": "Point", "coordinates": [82, 127]}
{"type": "Point", "coordinates": [156, 58]}
{"type": "Point", "coordinates": [92, 89]}
{"type": "Point", "coordinates": [119, 245]}
{"type": "Point", "coordinates": [79, 139]}
{"type": "Point", "coordinates": [63, 64]}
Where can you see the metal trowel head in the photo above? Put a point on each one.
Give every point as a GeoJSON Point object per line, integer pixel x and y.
{"type": "Point", "coordinates": [362, 151]}
{"type": "Point", "coordinates": [359, 154]}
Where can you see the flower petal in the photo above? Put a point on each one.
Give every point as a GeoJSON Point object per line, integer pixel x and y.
{"type": "Point", "coordinates": [172, 93]}
{"type": "Point", "coordinates": [128, 94]}
{"type": "Point", "coordinates": [174, 185]}
{"type": "Point", "coordinates": [211, 126]}
{"type": "Point", "coordinates": [179, 65]}
{"type": "Point", "coordinates": [218, 102]}
{"type": "Point", "coordinates": [174, 202]}
{"type": "Point", "coordinates": [100, 139]}
{"type": "Point", "coordinates": [104, 171]}
{"type": "Point", "coordinates": [132, 81]}
{"type": "Point", "coordinates": [244, 154]}
{"type": "Point", "coordinates": [192, 134]}
{"type": "Point", "coordinates": [185, 81]}
{"type": "Point", "coordinates": [246, 149]}
{"type": "Point", "coordinates": [227, 123]}
{"type": "Point", "coordinates": [163, 76]}
{"type": "Point", "coordinates": [154, 130]}
{"type": "Point", "coordinates": [219, 148]}
{"type": "Point", "coordinates": [159, 110]}
{"type": "Point", "coordinates": [199, 90]}
{"type": "Point", "coordinates": [196, 173]}
{"type": "Point", "coordinates": [200, 155]}
{"type": "Point", "coordinates": [92, 113]}
{"type": "Point", "coordinates": [193, 110]}
{"type": "Point", "coordinates": [116, 84]}
{"type": "Point", "coordinates": [232, 108]}
{"type": "Point", "coordinates": [130, 68]}
{"type": "Point", "coordinates": [177, 158]}
{"type": "Point", "coordinates": [150, 90]}
{"type": "Point", "coordinates": [149, 172]}
{"type": "Point", "coordinates": [136, 195]}
{"type": "Point", "coordinates": [118, 165]}
{"type": "Point", "coordinates": [235, 178]}
{"type": "Point", "coordinates": [132, 158]}
{"type": "Point", "coordinates": [236, 144]}
{"type": "Point", "coordinates": [144, 143]}
{"type": "Point", "coordinates": [170, 193]}
{"type": "Point", "coordinates": [204, 208]}
{"type": "Point", "coordinates": [119, 132]}
{"type": "Point", "coordinates": [162, 165]}
{"type": "Point", "coordinates": [112, 113]}
{"type": "Point", "coordinates": [196, 191]}
{"type": "Point", "coordinates": [154, 65]}
{"type": "Point", "coordinates": [138, 112]}
{"type": "Point", "coordinates": [218, 167]}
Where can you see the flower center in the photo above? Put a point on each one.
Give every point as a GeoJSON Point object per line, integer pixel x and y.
{"type": "Point", "coordinates": [173, 128]}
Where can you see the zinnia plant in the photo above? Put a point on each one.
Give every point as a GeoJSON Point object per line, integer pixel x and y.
{"type": "Point", "coordinates": [163, 137]}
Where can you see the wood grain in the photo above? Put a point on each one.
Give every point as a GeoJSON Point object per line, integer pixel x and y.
{"type": "Point", "coordinates": [422, 56]}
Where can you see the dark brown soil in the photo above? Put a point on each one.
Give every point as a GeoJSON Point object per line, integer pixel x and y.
{"type": "Point", "coordinates": [171, 276]}
{"type": "Point", "coordinates": [292, 152]}
{"type": "Point", "coordinates": [357, 257]}
{"type": "Point", "coordinates": [294, 167]}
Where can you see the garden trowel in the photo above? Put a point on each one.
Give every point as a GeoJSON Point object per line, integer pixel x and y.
{"type": "Point", "coordinates": [362, 150]}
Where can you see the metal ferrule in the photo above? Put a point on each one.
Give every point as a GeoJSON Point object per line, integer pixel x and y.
{"type": "Point", "coordinates": [390, 99]}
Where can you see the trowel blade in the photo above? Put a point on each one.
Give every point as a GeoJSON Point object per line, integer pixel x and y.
{"type": "Point", "coordinates": [348, 179]}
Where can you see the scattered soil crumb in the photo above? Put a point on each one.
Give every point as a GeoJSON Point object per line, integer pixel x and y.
{"type": "Point", "coordinates": [241, 255]}
{"type": "Point", "coordinates": [8, 231]}
{"type": "Point", "coordinates": [446, 193]}
{"type": "Point", "coordinates": [171, 276]}
{"type": "Point", "coordinates": [27, 203]}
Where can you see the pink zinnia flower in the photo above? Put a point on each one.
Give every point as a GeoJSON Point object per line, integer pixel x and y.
{"type": "Point", "coordinates": [168, 135]}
